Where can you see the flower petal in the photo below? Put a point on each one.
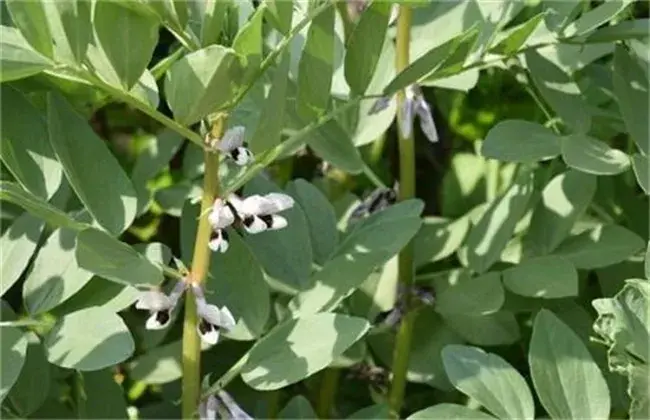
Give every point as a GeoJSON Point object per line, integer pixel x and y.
{"type": "Point", "coordinates": [208, 333]}
{"type": "Point", "coordinates": [426, 120]}
{"type": "Point", "coordinates": [233, 138]}
{"type": "Point", "coordinates": [210, 313]}
{"type": "Point", "coordinates": [158, 320]}
{"type": "Point", "coordinates": [221, 215]}
{"type": "Point", "coordinates": [242, 156]}
{"type": "Point", "coordinates": [208, 408]}
{"type": "Point", "coordinates": [406, 116]}
{"type": "Point", "coordinates": [227, 321]}
{"type": "Point", "coordinates": [277, 222]}
{"type": "Point", "coordinates": [217, 241]}
{"type": "Point", "coordinates": [177, 292]}
{"type": "Point", "coordinates": [380, 105]}
{"type": "Point", "coordinates": [236, 411]}
{"type": "Point", "coordinates": [268, 204]}
{"type": "Point", "coordinates": [153, 300]}
{"type": "Point", "coordinates": [254, 224]}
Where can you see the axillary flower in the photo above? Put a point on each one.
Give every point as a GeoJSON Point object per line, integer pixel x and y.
{"type": "Point", "coordinates": [232, 144]}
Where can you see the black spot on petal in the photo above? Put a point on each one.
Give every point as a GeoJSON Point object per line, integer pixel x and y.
{"type": "Point", "coordinates": [163, 317]}
{"type": "Point", "coordinates": [267, 219]}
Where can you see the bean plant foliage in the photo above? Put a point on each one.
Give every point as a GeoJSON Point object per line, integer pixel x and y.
{"type": "Point", "coordinates": [324, 209]}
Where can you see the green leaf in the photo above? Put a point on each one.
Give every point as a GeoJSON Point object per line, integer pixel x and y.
{"type": "Point", "coordinates": [284, 254]}
{"type": "Point", "coordinates": [17, 58]}
{"type": "Point", "coordinates": [12, 357]}
{"type": "Point", "coordinates": [520, 141]}
{"type": "Point", "coordinates": [268, 132]}
{"type": "Point", "coordinates": [490, 380]}
{"type": "Point", "coordinates": [279, 12]}
{"type": "Point", "coordinates": [450, 412]}
{"type": "Point", "coordinates": [106, 256]}
{"type": "Point", "coordinates": [47, 284]}
{"type": "Point", "coordinates": [298, 348]}
{"type": "Point", "coordinates": [376, 411]}
{"type": "Point", "coordinates": [13, 193]}
{"type": "Point", "coordinates": [496, 329]}
{"type": "Point", "coordinates": [99, 292]}
{"type": "Point", "coordinates": [320, 218]}
{"type": "Point", "coordinates": [316, 66]}
{"type": "Point", "coordinates": [438, 238]}
{"type": "Point", "coordinates": [432, 61]}
{"type": "Point", "coordinates": [159, 366]}
{"type": "Point", "coordinates": [31, 19]}
{"type": "Point", "coordinates": [202, 82]}
{"type": "Point", "coordinates": [90, 167]}
{"type": "Point", "coordinates": [90, 339]}
{"type": "Point", "coordinates": [563, 201]}
{"type": "Point", "coordinates": [631, 89]}
{"type": "Point", "coordinates": [136, 30]}
{"type": "Point", "coordinates": [548, 277]}
{"type": "Point", "coordinates": [516, 37]}
{"type": "Point", "coordinates": [599, 247]}
{"type": "Point", "coordinates": [104, 397]}
{"type": "Point", "coordinates": [624, 30]}
{"type": "Point", "coordinates": [457, 292]}
{"type": "Point", "coordinates": [248, 43]}
{"type": "Point", "coordinates": [33, 385]}
{"type": "Point", "coordinates": [25, 149]}
{"type": "Point", "coordinates": [595, 17]}
{"type": "Point", "coordinates": [18, 243]}
{"type": "Point", "coordinates": [489, 236]}
{"type": "Point", "coordinates": [593, 156]}
{"type": "Point", "coordinates": [560, 91]}
{"type": "Point", "coordinates": [567, 379]}
{"type": "Point", "coordinates": [297, 408]}
{"type": "Point", "coordinates": [333, 144]}
{"type": "Point", "coordinates": [558, 14]}
{"type": "Point", "coordinates": [641, 166]}
{"type": "Point", "coordinates": [210, 14]}
{"type": "Point", "coordinates": [365, 45]}
{"type": "Point", "coordinates": [71, 29]}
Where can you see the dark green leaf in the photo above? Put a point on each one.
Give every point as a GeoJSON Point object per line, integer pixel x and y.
{"type": "Point", "coordinates": [161, 365]}
{"type": "Point", "coordinates": [563, 201]}
{"type": "Point", "coordinates": [592, 156]}
{"type": "Point", "coordinates": [298, 348]}
{"type": "Point", "coordinates": [365, 45]}
{"type": "Point", "coordinates": [544, 277]}
{"type": "Point", "coordinates": [13, 193]}
{"type": "Point", "coordinates": [600, 247]}
{"type": "Point", "coordinates": [491, 234]}
{"type": "Point", "coordinates": [631, 88]}
{"type": "Point", "coordinates": [12, 357]}
{"type": "Point", "coordinates": [33, 385]}
{"type": "Point", "coordinates": [106, 256]}
{"type": "Point", "coordinates": [25, 149]}
{"type": "Point", "coordinates": [516, 37]}
{"type": "Point", "coordinates": [18, 243]}
{"type": "Point", "coordinates": [297, 408]}
{"type": "Point", "coordinates": [17, 58]}
{"type": "Point", "coordinates": [641, 166]}
{"type": "Point", "coordinates": [567, 379]}
{"type": "Point", "coordinates": [90, 339]}
{"type": "Point", "coordinates": [136, 30]}
{"type": "Point", "coordinates": [490, 380]}
{"type": "Point", "coordinates": [30, 18]}
{"type": "Point", "coordinates": [320, 218]}
{"type": "Point", "coordinates": [457, 292]}
{"type": "Point", "coordinates": [520, 141]}
{"type": "Point", "coordinates": [316, 66]}
{"type": "Point", "coordinates": [103, 397]}
{"type": "Point", "coordinates": [331, 143]}
{"type": "Point", "coordinates": [202, 82]}
{"type": "Point", "coordinates": [91, 169]}
{"type": "Point", "coordinates": [560, 91]}
{"type": "Point", "coordinates": [499, 328]}
{"type": "Point", "coordinates": [595, 17]}
{"type": "Point", "coordinates": [268, 132]}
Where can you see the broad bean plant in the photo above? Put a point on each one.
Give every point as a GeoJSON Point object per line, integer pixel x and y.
{"type": "Point", "coordinates": [417, 209]}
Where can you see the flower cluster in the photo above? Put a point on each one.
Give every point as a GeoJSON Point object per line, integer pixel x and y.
{"type": "Point", "coordinates": [160, 306]}
{"type": "Point", "coordinates": [414, 103]}
{"type": "Point", "coordinates": [378, 200]}
{"type": "Point", "coordinates": [255, 214]}
{"type": "Point", "coordinates": [209, 408]}
{"type": "Point", "coordinates": [422, 295]}
{"type": "Point", "coordinates": [232, 144]}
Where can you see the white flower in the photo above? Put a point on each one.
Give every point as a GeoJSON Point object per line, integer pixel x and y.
{"type": "Point", "coordinates": [257, 212]}
{"type": "Point", "coordinates": [159, 305]}
{"type": "Point", "coordinates": [378, 200]}
{"type": "Point", "coordinates": [236, 412]}
{"type": "Point", "coordinates": [219, 241]}
{"type": "Point", "coordinates": [232, 143]}
{"type": "Point", "coordinates": [208, 409]}
{"type": "Point", "coordinates": [212, 319]}
{"type": "Point", "coordinates": [221, 215]}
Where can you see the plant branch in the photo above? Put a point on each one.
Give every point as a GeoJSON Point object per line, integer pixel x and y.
{"type": "Point", "coordinates": [327, 394]}
{"type": "Point", "coordinates": [406, 191]}
{"type": "Point", "coordinates": [191, 353]}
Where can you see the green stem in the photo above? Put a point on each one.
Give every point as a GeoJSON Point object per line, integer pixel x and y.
{"type": "Point", "coordinates": [406, 191]}
{"type": "Point", "coordinates": [191, 352]}
{"type": "Point", "coordinates": [328, 387]}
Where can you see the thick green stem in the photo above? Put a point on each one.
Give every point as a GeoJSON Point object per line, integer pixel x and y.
{"type": "Point", "coordinates": [200, 264]}
{"type": "Point", "coordinates": [406, 191]}
{"type": "Point", "coordinates": [328, 386]}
